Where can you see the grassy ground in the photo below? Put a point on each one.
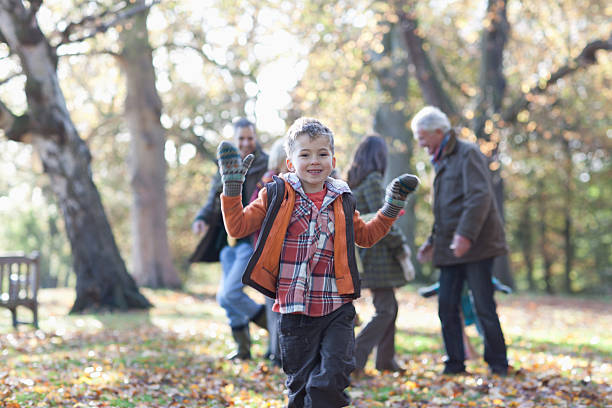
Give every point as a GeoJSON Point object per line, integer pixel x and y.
{"type": "Point", "coordinates": [560, 350]}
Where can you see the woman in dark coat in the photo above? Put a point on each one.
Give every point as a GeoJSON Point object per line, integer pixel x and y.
{"type": "Point", "coordinates": [381, 271]}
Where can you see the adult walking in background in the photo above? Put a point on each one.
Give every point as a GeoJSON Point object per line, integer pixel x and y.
{"type": "Point", "coordinates": [233, 254]}
{"type": "Point", "coordinates": [277, 164]}
{"type": "Point", "coordinates": [466, 236]}
{"type": "Point", "coordinates": [381, 271]}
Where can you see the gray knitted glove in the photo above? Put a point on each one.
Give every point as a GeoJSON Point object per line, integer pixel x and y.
{"type": "Point", "coordinates": [233, 170]}
{"type": "Point", "coordinates": [397, 191]}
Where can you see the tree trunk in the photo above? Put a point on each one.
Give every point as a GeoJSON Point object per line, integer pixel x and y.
{"type": "Point", "coordinates": [492, 88]}
{"type": "Point", "coordinates": [152, 263]}
{"type": "Point", "coordinates": [430, 86]}
{"type": "Point", "coordinates": [102, 279]}
{"type": "Point", "coordinates": [525, 238]}
{"type": "Point", "coordinates": [567, 228]}
{"type": "Point", "coordinates": [392, 121]}
{"type": "Point", "coordinates": [544, 243]}
{"type": "Point", "coordinates": [492, 82]}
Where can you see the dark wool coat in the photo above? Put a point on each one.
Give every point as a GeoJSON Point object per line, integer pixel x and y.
{"type": "Point", "coordinates": [380, 266]}
{"type": "Point", "coordinates": [464, 203]}
{"type": "Point", "coordinates": [215, 239]}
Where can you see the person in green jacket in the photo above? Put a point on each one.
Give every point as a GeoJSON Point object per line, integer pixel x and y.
{"type": "Point", "coordinates": [382, 270]}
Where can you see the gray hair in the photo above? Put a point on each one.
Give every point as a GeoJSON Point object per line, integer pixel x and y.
{"type": "Point", "coordinates": [430, 118]}
{"type": "Point", "coordinates": [277, 156]}
{"type": "Point", "coordinates": [307, 126]}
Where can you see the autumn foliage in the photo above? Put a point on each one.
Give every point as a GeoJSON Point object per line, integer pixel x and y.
{"type": "Point", "coordinates": [173, 357]}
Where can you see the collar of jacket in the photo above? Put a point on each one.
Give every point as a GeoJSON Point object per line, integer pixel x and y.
{"type": "Point", "coordinates": [260, 163]}
{"type": "Point", "coordinates": [262, 270]}
{"type": "Point", "coordinates": [451, 145]}
{"type": "Point", "coordinates": [449, 149]}
{"type": "Point", "coordinates": [334, 185]}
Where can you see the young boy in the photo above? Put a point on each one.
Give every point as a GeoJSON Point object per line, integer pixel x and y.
{"type": "Point", "coordinates": [305, 257]}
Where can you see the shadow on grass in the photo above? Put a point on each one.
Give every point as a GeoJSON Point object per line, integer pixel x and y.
{"type": "Point", "coordinates": [414, 342]}
{"type": "Point", "coordinates": [200, 296]}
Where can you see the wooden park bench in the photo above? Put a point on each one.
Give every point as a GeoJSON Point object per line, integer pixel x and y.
{"type": "Point", "coordinates": [19, 275]}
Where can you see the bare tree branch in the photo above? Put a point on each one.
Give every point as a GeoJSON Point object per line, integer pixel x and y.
{"type": "Point", "coordinates": [452, 82]}
{"type": "Point", "coordinates": [585, 59]}
{"type": "Point", "coordinates": [16, 128]}
{"type": "Point", "coordinates": [6, 117]}
{"type": "Point", "coordinates": [431, 88]}
{"type": "Point", "coordinates": [234, 72]}
{"type": "Point", "coordinates": [10, 77]}
{"type": "Point", "coordinates": [102, 26]}
{"type": "Point", "coordinates": [89, 54]}
{"type": "Point", "coordinates": [34, 7]}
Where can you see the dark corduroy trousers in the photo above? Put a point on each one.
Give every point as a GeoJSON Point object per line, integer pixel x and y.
{"type": "Point", "coordinates": [318, 357]}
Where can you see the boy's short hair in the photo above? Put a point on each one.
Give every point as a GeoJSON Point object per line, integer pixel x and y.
{"type": "Point", "coordinates": [307, 126]}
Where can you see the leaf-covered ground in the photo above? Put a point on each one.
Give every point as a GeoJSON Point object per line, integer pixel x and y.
{"type": "Point", "coordinates": [172, 356]}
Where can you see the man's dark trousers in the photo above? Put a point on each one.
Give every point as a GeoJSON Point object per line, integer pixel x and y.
{"type": "Point", "coordinates": [478, 276]}
{"type": "Point", "coordinates": [318, 357]}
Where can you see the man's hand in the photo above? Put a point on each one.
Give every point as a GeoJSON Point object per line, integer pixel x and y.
{"type": "Point", "coordinates": [397, 192]}
{"type": "Point", "coordinates": [460, 245]}
{"type": "Point", "coordinates": [425, 252]}
{"type": "Point", "coordinates": [199, 227]}
{"type": "Point", "coordinates": [232, 168]}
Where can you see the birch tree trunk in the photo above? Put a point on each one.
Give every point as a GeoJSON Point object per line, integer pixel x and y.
{"type": "Point", "coordinates": [102, 279]}
{"type": "Point", "coordinates": [152, 263]}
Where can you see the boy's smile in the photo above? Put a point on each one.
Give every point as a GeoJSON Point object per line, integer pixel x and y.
{"type": "Point", "coordinates": [313, 161]}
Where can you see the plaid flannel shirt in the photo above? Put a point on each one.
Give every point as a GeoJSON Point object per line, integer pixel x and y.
{"type": "Point", "coordinates": [306, 280]}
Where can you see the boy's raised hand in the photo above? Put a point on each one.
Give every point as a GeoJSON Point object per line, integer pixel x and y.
{"type": "Point", "coordinates": [232, 168]}
{"type": "Point", "coordinates": [397, 191]}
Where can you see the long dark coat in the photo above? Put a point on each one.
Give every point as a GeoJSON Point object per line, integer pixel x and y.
{"type": "Point", "coordinates": [464, 203]}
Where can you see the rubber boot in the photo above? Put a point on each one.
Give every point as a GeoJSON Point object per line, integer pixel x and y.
{"type": "Point", "coordinates": [243, 341]}
{"type": "Point", "coordinates": [261, 318]}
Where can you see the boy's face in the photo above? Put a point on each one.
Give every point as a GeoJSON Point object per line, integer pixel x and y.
{"type": "Point", "coordinates": [312, 161]}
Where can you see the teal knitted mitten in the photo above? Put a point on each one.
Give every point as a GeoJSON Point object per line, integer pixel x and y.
{"type": "Point", "coordinates": [232, 168]}
{"type": "Point", "coordinates": [397, 191]}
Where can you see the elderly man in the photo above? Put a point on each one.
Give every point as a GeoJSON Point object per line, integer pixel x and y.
{"type": "Point", "coordinates": [466, 236]}
{"type": "Point", "coordinates": [234, 255]}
